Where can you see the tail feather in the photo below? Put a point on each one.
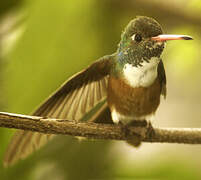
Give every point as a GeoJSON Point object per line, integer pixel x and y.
{"type": "Point", "coordinates": [23, 144]}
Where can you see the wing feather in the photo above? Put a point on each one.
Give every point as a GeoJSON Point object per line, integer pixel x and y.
{"type": "Point", "coordinates": [162, 78]}
{"type": "Point", "coordinates": [72, 100]}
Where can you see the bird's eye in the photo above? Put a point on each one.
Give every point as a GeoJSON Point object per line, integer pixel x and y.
{"type": "Point", "coordinates": [137, 37]}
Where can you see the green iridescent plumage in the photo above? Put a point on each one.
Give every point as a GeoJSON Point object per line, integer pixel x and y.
{"type": "Point", "coordinates": [93, 87]}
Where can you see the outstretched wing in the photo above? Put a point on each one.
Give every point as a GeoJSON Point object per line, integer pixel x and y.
{"type": "Point", "coordinates": [71, 101]}
{"type": "Point", "coordinates": [79, 94]}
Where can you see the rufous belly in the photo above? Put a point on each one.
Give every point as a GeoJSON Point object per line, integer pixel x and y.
{"type": "Point", "coordinates": [133, 102]}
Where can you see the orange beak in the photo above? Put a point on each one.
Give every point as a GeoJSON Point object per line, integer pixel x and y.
{"type": "Point", "coordinates": [167, 37]}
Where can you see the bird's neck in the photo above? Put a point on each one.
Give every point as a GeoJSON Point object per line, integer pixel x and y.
{"type": "Point", "coordinates": [141, 75]}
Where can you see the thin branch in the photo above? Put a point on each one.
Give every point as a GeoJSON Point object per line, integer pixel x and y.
{"type": "Point", "coordinates": [99, 131]}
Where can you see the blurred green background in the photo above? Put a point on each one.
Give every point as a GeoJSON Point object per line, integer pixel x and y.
{"type": "Point", "coordinates": [42, 43]}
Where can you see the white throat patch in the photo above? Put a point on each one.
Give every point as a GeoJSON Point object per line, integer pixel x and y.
{"type": "Point", "coordinates": [141, 76]}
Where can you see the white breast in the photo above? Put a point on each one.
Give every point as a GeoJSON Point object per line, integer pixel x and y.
{"type": "Point", "coordinates": [141, 76]}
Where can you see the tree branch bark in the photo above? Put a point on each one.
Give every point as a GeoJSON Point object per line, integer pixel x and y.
{"type": "Point", "coordinates": [99, 131]}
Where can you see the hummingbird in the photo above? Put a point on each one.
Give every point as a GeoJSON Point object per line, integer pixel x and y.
{"type": "Point", "coordinates": [124, 87]}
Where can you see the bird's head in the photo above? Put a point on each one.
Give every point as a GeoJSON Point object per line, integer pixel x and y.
{"type": "Point", "coordinates": [143, 39]}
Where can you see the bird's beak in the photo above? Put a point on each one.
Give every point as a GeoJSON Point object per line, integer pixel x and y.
{"type": "Point", "coordinates": [167, 37]}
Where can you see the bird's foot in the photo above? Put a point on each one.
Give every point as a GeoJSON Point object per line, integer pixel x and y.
{"type": "Point", "coordinates": [134, 138]}
{"type": "Point", "coordinates": [150, 129]}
